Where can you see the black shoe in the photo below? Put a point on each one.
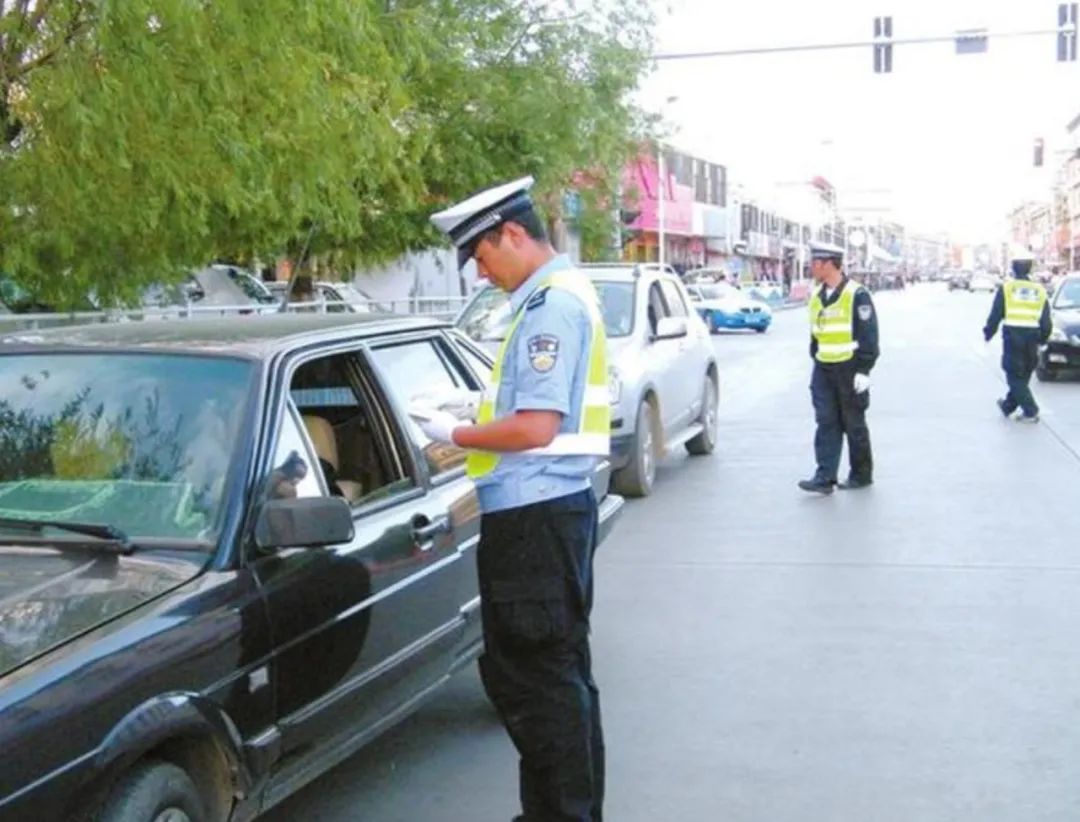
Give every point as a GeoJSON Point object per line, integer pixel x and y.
{"type": "Point", "coordinates": [816, 486]}
{"type": "Point", "coordinates": [1001, 408]}
{"type": "Point", "coordinates": [855, 483]}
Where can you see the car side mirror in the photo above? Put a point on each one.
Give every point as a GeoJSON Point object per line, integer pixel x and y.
{"type": "Point", "coordinates": [670, 328]}
{"type": "Point", "coordinates": [307, 522]}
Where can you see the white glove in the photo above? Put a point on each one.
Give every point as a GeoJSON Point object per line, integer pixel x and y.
{"type": "Point", "coordinates": [463, 404]}
{"type": "Point", "coordinates": [438, 426]}
{"type": "Point", "coordinates": [862, 383]}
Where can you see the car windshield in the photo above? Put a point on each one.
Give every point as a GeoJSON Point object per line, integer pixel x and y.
{"type": "Point", "coordinates": [1068, 295]}
{"type": "Point", "coordinates": [487, 317]}
{"type": "Point", "coordinates": [136, 441]}
{"type": "Point", "coordinates": [251, 287]}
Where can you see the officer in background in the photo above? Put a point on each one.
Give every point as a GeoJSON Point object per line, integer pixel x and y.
{"type": "Point", "coordinates": [1022, 306]}
{"type": "Point", "coordinates": [844, 347]}
{"type": "Point", "coordinates": [541, 429]}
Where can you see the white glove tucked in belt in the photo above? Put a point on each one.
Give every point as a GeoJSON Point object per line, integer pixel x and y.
{"type": "Point", "coordinates": [862, 383]}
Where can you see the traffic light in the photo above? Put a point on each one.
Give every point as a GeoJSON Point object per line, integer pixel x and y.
{"type": "Point", "coordinates": [883, 45]}
{"type": "Point", "coordinates": [1066, 38]}
{"type": "Point", "coordinates": [1039, 153]}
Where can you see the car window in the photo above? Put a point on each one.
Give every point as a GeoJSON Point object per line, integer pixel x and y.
{"type": "Point", "coordinates": [334, 303]}
{"type": "Point", "coordinates": [355, 454]}
{"type": "Point", "coordinates": [292, 471]}
{"type": "Point", "coordinates": [676, 304]}
{"type": "Point", "coordinates": [143, 442]}
{"type": "Point", "coordinates": [478, 364]}
{"type": "Point", "coordinates": [251, 287]}
{"type": "Point", "coordinates": [420, 371]}
{"type": "Point", "coordinates": [657, 309]}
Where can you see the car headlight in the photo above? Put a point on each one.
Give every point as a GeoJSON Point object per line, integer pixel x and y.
{"type": "Point", "coordinates": [1058, 335]}
{"type": "Point", "coordinates": [614, 386]}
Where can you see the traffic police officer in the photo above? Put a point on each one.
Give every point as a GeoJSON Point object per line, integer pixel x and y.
{"type": "Point", "coordinates": [1022, 306]}
{"type": "Point", "coordinates": [844, 347]}
{"type": "Point", "coordinates": [541, 429]}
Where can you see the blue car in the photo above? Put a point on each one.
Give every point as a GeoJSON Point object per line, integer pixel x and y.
{"type": "Point", "coordinates": [722, 305]}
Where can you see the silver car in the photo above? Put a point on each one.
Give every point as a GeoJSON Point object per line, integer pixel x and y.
{"type": "Point", "coordinates": [664, 383]}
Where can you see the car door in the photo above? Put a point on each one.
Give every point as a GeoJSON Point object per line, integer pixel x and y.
{"type": "Point", "coordinates": [660, 358]}
{"type": "Point", "coordinates": [433, 365]}
{"type": "Point", "coordinates": [359, 629]}
{"type": "Point", "coordinates": [687, 364]}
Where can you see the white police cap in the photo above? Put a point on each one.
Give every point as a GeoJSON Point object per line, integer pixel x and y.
{"type": "Point", "coordinates": [468, 220]}
{"type": "Point", "coordinates": [826, 251]}
{"type": "Point", "coordinates": [1022, 254]}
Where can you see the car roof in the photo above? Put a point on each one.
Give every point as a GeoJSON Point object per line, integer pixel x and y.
{"type": "Point", "coordinates": [255, 337]}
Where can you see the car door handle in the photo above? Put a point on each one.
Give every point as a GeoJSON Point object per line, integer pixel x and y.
{"type": "Point", "coordinates": [425, 530]}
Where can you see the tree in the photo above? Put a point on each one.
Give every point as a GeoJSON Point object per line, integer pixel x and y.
{"type": "Point", "coordinates": [145, 137]}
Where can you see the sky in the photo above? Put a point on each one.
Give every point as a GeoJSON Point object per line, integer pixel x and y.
{"type": "Point", "coordinates": [945, 142]}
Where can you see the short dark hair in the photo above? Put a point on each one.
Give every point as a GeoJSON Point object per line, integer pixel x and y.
{"type": "Point", "coordinates": [528, 220]}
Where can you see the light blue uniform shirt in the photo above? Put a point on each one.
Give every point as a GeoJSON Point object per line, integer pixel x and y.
{"type": "Point", "coordinates": [554, 324]}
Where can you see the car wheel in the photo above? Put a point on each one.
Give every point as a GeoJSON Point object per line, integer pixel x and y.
{"type": "Point", "coordinates": [153, 791]}
{"type": "Point", "coordinates": [705, 442]}
{"type": "Point", "coordinates": [1045, 374]}
{"type": "Point", "coordinates": [637, 478]}
{"type": "Point", "coordinates": [709, 322]}
{"type": "Point", "coordinates": [762, 330]}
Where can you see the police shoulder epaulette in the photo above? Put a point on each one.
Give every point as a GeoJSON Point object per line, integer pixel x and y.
{"type": "Point", "coordinates": [537, 299]}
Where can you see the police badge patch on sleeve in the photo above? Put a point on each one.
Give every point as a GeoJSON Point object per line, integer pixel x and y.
{"type": "Point", "coordinates": [543, 352]}
{"type": "Point", "coordinates": [865, 312]}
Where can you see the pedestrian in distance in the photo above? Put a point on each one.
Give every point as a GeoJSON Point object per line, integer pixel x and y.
{"type": "Point", "coordinates": [541, 429]}
{"type": "Point", "coordinates": [1022, 308]}
{"type": "Point", "coordinates": [844, 348]}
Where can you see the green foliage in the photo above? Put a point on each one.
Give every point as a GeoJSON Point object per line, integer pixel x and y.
{"type": "Point", "coordinates": [140, 138]}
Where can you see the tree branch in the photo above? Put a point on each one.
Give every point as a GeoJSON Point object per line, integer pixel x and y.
{"type": "Point", "coordinates": [77, 27]}
{"type": "Point", "coordinates": [40, 11]}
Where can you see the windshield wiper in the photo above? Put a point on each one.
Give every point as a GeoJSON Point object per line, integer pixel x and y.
{"type": "Point", "coordinates": [109, 537]}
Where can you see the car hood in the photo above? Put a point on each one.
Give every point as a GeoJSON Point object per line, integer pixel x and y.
{"type": "Point", "coordinates": [49, 597]}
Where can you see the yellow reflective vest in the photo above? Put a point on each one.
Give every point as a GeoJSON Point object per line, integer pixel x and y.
{"type": "Point", "coordinates": [590, 434]}
{"type": "Point", "coordinates": [1024, 302]}
{"type": "Point", "coordinates": [833, 326]}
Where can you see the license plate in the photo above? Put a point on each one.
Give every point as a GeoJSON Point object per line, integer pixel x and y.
{"type": "Point", "coordinates": [1058, 358]}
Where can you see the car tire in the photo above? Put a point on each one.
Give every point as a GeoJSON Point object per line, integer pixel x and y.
{"type": "Point", "coordinates": [1045, 374]}
{"type": "Point", "coordinates": [638, 477]}
{"type": "Point", "coordinates": [705, 442]}
{"type": "Point", "coordinates": [709, 322]}
{"type": "Point", "coordinates": [153, 790]}
{"type": "Point", "coordinates": [762, 330]}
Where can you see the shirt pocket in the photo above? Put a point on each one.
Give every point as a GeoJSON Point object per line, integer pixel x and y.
{"type": "Point", "coordinates": [532, 612]}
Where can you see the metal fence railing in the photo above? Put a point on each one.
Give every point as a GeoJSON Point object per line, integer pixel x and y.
{"type": "Point", "coordinates": [436, 307]}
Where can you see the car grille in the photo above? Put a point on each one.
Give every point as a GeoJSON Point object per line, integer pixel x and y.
{"type": "Point", "coordinates": [750, 310]}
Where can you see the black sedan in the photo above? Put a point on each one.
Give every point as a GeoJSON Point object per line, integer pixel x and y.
{"type": "Point", "coordinates": [1061, 355]}
{"type": "Point", "coordinates": [227, 558]}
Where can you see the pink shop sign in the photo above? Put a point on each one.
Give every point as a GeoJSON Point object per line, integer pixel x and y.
{"type": "Point", "coordinates": [641, 180]}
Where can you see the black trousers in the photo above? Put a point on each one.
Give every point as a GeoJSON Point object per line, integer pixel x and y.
{"type": "Point", "coordinates": [838, 410]}
{"type": "Point", "coordinates": [1019, 358]}
{"type": "Point", "coordinates": [536, 585]}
